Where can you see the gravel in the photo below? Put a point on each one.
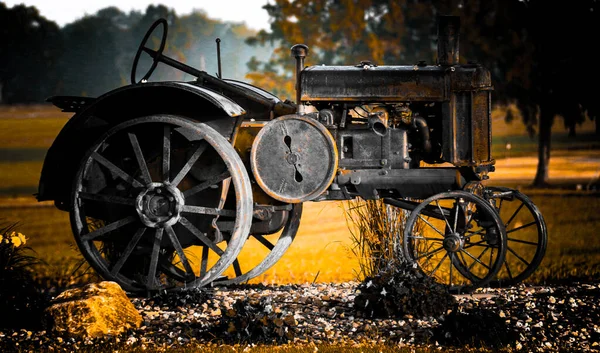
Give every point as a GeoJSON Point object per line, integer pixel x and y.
{"type": "Point", "coordinates": [543, 318]}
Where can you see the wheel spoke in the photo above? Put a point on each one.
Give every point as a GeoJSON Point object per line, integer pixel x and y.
{"type": "Point", "coordinates": [514, 215]}
{"type": "Point", "coordinates": [521, 227]}
{"type": "Point", "coordinates": [443, 215]}
{"type": "Point", "coordinates": [166, 160]}
{"type": "Point", "coordinates": [201, 236]}
{"type": "Point", "coordinates": [432, 226]}
{"type": "Point", "coordinates": [150, 281]}
{"type": "Point", "coordinates": [179, 250]}
{"type": "Point", "coordinates": [451, 266]}
{"type": "Point", "coordinates": [477, 259]}
{"type": "Point", "coordinates": [188, 165]}
{"type": "Point", "coordinates": [108, 228]}
{"type": "Point", "coordinates": [430, 253]}
{"type": "Point", "coordinates": [475, 233]}
{"type": "Point", "coordinates": [426, 238]}
{"type": "Point", "coordinates": [476, 244]}
{"type": "Point", "coordinates": [204, 262]}
{"type": "Point", "coordinates": [116, 170]}
{"type": "Point", "coordinates": [455, 217]}
{"type": "Point", "coordinates": [508, 269]}
{"type": "Point", "coordinates": [207, 211]}
{"type": "Point", "coordinates": [236, 268]}
{"type": "Point", "coordinates": [212, 181]}
{"type": "Point", "coordinates": [438, 265]}
{"type": "Point", "coordinates": [139, 156]}
{"type": "Point", "coordinates": [517, 255]}
{"type": "Point", "coordinates": [522, 241]}
{"type": "Point", "coordinates": [107, 198]}
{"type": "Point", "coordinates": [264, 241]}
{"type": "Point", "coordinates": [128, 250]}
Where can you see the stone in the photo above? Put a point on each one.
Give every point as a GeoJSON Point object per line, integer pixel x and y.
{"type": "Point", "coordinates": [94, 310]}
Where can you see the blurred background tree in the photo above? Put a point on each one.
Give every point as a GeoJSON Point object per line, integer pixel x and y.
{"type": "Point", "coordinates": [29, 53]}
{"type": "Point", "coordinates": [93, 55]}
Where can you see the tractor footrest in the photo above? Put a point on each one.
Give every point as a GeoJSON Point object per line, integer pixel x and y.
{"type": "Point", "coordinates": [71, 103]}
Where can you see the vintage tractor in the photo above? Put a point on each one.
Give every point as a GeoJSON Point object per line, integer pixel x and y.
{"type": "Point", "coordinates": [166, 181]}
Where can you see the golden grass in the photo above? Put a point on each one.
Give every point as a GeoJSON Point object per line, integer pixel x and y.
{"type": "Point", "coordinates": [322, 248]}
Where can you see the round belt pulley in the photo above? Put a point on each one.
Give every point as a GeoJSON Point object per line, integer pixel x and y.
{"type": "Point", "coordinates": [294, 158]}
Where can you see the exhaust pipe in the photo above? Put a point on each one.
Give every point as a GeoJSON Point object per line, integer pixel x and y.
{"type": "Point", "coordinates": [299, 51]}
{"type": "Point", "coordinates": [448, 38]}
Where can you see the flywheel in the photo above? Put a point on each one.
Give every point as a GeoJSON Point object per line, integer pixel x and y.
{"type": "Point", "coordinates": [294, 158]}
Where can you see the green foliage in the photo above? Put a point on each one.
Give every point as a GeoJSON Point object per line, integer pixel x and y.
{"type": "Point", "coordinates": [21, 302]}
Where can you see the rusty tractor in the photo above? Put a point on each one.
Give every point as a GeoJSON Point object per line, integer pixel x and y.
{"type": "Point", "coordinates": [165, 182]}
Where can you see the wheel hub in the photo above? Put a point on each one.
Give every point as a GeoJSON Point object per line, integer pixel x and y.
{"type": "Point", "coordinates": [159, 205]}
{"type": "Point", "coordinates": [453, 243]}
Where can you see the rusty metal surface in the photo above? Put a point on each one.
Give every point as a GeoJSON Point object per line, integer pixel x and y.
{"type": "Point", "coordinates": [294, 158]}
{"type": "Point", "coordinates": [376, 83]}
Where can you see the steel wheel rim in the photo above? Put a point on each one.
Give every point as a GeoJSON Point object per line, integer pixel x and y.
{"type": "Point", "coordinates": [450, 253]}
{"type": "Point", "coordinates": [85, 236]}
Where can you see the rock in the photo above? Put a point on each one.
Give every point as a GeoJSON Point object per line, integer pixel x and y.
{"type": "Point", "coordinates": [94, 310]}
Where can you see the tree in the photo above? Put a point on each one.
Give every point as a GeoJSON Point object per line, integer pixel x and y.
{"type": "Point", "coordinates": [532, 48]}
{"type": "Point", "coordinates": [30, 48]}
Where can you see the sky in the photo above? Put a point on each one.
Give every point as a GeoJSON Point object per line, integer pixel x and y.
{"type": "Point", "coordinates": [67, 11]}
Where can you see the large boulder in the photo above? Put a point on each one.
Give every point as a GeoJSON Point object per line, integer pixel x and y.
{"type": "Point", "coordinates": [94, 310]}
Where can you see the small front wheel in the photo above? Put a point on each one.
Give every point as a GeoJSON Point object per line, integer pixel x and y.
{"type": "Point", "coordinates": [526, 234]}
{"type": "Point", "coordinates": [457, 239]}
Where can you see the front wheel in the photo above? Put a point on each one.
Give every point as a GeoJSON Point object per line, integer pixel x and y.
{"type": "Point", "coordinates": [457, 239]}
{"type": "Point", "coordinates": [149, 192]}
{"type": "Point", "coordinates": [527, 235]}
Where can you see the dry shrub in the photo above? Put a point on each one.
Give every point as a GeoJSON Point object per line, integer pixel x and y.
{"type": "Point", "coordinates": [376, 232]}
{"type": "Point", "coordinates": [391, 287]}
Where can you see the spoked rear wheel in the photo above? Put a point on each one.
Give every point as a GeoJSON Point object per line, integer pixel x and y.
{"type": "Point", "coordinates": [148, 192]}
{"type": "Point", "coordinates": [526, 234]}
{"type": "Point", "coordinates": [457, 239]}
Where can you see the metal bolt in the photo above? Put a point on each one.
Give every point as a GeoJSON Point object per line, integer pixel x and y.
{"type": "Point", "coordinates": [170, 213]}
{"type": "Point", "coordinates": [383, 161]}
{"type": "Point", "coordinates": [159, 191]}
{"type": "Point", "coordinates": [171, 198]}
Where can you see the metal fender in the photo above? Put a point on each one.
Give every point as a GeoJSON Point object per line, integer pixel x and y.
{"type": "Point", "coordinates": [199, 104]}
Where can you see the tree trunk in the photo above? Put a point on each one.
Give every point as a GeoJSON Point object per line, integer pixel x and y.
{"type": "Point", "coordinates": [541, 175]}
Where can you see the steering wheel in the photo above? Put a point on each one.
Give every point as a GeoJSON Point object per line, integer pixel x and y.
{"type": "Point", "coordinates": [154, 54]}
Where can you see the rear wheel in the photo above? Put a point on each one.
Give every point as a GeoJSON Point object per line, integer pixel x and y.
{"type": "Point", "coordinates": [457, 239]}
{"type": "Point", "coordinates": [149, 191]}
